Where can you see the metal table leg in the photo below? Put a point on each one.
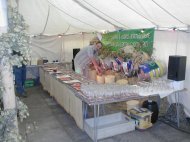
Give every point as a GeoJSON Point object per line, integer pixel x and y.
{"type": "Point", "coordinates": [85, 110]}
{"type": "Point", "coordinates": [96, 115]}
{"type": "Point", "coordinates": [177, 107]}
{"type": "Point", "coordinates": [83, 113]}
{"type": "Point", "coordinates": [158, 101]}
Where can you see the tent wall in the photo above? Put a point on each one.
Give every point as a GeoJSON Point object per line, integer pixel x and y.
{"type": "Point", "coordinates": [56, 47]}
{"type": "Point", "coordinates": [174, 43]}
{"type": "Point", "coordinates": [3, 16]}
{"type": "Point", "coordinates": [49, 47]}
{"type": "Point", "coordinates": [75, 41]}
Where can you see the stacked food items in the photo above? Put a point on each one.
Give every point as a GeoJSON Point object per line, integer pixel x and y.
{"type": "Point", "coordinates": [76, 84]}
{"type": "Point", "coordinates": [107, 77]}
{"type": "Point", "coordinates": [65, 76]}
{"type": "Point", "coordinates": [127, 63]}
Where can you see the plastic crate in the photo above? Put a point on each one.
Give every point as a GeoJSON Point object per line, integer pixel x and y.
{"type": "Point", "coordinates": [109, 125]}
{"type": "Point", "coordinates": [29, 83]}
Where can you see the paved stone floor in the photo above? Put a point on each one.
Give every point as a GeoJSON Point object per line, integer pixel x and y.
{"type": "Point", "coordinates": [48, 122]}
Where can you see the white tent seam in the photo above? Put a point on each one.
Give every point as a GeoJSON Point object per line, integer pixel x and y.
{"type": "Point", "coordinates": [71, 15]}
{"type": "Point", "coordinates": [62, 34]}
{"type": "Point", "coordinates": [169, 13]}
{"type": "Point", "coordinates": [106, 15]}
{"type": "Point", "coordinates": [67, 29]}
{"type": "Point", "coordinates": [46, 20]}
{"type": "Point", "coordinates": [92, 12]}
{"type": "Point", "coordinates": [156, 25]}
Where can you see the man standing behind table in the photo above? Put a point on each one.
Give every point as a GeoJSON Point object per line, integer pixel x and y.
{"type": "Point", "coordinates": [86, 56]}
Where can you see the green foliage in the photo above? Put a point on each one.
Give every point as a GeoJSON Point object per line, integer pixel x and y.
{"type": "Point", "coordinates": [8, 133]}
{"type": "Point", "coordinates": [14, 45]}
{"type": "Point", "coordinates": [14, 50]}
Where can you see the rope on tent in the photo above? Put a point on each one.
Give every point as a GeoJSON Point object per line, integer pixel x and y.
{"type": "Point", "coordinates": [62, 34]}
{"type": "Point", "coordinates": [62, 58]}
{"type": "Point", "coordinates": [177, 40]}
{"type": "Point", "coordinates": [89, 10]}
{"type": "Point", "coordinates": [101, 12]}
{"type": "Point", "coordinates": [67, 29]}
{"type": "Point", "coordinates": [71, 15]}
{"type": "Point", "coordinates": [78, 33]}
{"type": "Point", "coordinates": [156, 25]}
{"type": "Point", "coordinates": [169, 13]}
{"type": "Point", "coordinates": [46, 20]}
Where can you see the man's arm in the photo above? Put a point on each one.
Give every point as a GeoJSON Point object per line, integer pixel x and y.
{"type": "Point", "coordinates": [96, 66]}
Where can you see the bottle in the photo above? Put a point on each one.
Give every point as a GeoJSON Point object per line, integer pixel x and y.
{"type": "Point", "coordinates": [152, 106]}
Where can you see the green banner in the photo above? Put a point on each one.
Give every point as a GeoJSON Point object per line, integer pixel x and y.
{"type": "Point", "coordinates": [141, 40]}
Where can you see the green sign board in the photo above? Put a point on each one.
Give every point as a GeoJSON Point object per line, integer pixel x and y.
{"type": "Point", "coordinates": [141, 40]}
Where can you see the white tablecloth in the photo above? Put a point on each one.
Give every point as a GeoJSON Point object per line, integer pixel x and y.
{"type": "Point", "coordinates": [63, 95]}
{"type": "Point", "coordinates": [67, 98]}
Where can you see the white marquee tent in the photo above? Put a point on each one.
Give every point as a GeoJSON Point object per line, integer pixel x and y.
{"type": "Point", "coordinates": [72, 16]}
{"type": "Point", "coordinates": [77, 21]}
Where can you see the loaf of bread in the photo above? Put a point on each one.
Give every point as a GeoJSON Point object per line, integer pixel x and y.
{"type": "Point", "coordinates": [92, 74]}
{"type": "Point", "coordinates": [100, 79]}
{"type": "Point", "coordinates": [109, 79]}
{"type": "Point", "coordinates": [122, 81]}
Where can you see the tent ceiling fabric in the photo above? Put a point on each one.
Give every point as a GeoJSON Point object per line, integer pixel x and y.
{"type": "Point", "coordinates": [3, 16]}
{"type": "Point", "coordinates": [73, 16]}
